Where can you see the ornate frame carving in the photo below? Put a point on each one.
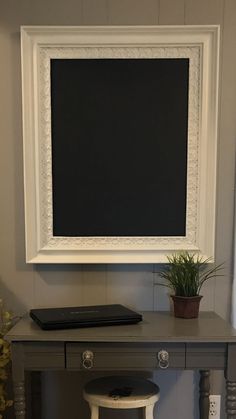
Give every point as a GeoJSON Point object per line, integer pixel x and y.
{"type": "Point", "coordinates": [39, 44]}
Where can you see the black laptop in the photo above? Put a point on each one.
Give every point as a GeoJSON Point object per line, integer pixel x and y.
{"type": "Point", "coordinates": [84, 316]}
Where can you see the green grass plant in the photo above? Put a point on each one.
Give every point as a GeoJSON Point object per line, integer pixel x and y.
{"type": "Point", "coordinates": [187, 272]}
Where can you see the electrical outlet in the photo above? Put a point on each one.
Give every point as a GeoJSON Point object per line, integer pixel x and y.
{"type": "Point", "coordinates": [214, 411]}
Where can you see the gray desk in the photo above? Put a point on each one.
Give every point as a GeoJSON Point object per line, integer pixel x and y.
{"type": "Point", "coordinates": [204, 344]}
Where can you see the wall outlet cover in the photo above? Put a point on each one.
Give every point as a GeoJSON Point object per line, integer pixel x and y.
{"type": "Point", "coordinates": [214, 411]}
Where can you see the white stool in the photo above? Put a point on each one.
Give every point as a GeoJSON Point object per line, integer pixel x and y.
{"type": "Point", "coordinates": [121, 393]}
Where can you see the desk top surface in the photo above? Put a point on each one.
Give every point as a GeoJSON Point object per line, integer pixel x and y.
{"type": "Point", "coordinates": [155, 327]}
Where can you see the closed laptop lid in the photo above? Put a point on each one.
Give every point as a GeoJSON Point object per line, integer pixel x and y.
{"type": "Point", "coordinates": [84, 316]}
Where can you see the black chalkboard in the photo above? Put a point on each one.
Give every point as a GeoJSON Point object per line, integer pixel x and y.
{"type": "Point", "coordinates": [119, 146]}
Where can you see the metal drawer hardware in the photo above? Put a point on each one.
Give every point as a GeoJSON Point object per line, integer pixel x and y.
{"type": "Point", "coordinates": [87, 359]}
{"type": "Point", "coordinates": [163, 358]}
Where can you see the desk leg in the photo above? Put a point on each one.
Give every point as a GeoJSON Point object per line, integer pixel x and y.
{"type": "Point", "coordinates": [230, 377]}
{"type": "Point", "coordinates": [19, 399]}
{"type": "Point", "coordinates": [231, 399]}
{"type": "Point", "coordinates": [204, 392]}
{"type": "Point", "coordinates": [18, 375]}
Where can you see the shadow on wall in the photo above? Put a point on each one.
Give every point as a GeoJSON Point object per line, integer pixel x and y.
{"type": "Point", "coordinates": [130, 285]}
{"type": "Point", "coordinates": [67, 400]}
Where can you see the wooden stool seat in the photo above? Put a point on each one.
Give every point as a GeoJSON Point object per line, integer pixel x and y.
{"type": "Point", "coordinates": [121, 393]}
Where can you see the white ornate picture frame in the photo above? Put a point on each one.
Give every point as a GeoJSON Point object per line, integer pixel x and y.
{"type": "Point", "coordinates": [200, 44]}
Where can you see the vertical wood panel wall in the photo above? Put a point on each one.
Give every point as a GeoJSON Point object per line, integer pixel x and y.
{"type": "Point", "coordinates": [24, 286]}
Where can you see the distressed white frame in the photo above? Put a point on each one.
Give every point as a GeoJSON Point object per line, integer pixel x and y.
{"type": "Point", "coordinates": [39, 44]}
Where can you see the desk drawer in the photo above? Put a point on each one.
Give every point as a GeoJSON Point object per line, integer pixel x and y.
{"type": "Point", "coordinates": [122, 356]}
{"type": "Point", "coordinates": [207, 355]}
{"type": "Point", "coordinates": [44, 356]}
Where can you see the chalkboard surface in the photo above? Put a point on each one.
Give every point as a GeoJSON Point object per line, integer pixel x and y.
{"type": "Point", "coordinates": [119, 146]}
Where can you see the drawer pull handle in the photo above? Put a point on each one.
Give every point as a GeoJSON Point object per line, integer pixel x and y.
{"type": "Point", "coordinates": [87, 359]}
{"type": "Point", "coordinates": [163, 358]}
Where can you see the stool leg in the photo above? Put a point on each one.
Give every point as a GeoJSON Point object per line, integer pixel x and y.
{"type": "Point", "coordinates": [94, 411]}
{"type": "Point", "coordinates": [148, 412]}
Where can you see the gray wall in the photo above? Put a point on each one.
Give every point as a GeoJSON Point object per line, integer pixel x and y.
{"type": "Point", "coordinates": [24, 286]}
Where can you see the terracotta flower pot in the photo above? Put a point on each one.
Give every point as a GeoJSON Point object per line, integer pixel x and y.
{"type": "Point", "coordinates": [186, 307]}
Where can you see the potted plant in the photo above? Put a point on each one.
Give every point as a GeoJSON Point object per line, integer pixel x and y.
{"type": "Point", "coordinates": [5, 359]}
{"type": "Point", "coordinates": [185, 275]}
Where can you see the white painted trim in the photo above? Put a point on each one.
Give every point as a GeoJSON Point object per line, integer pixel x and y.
{"type": "Point", "coordinates": [198, 43]}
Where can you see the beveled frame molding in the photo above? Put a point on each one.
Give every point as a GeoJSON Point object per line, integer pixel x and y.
{"type": "Point", "coordinates": [39, 45]}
